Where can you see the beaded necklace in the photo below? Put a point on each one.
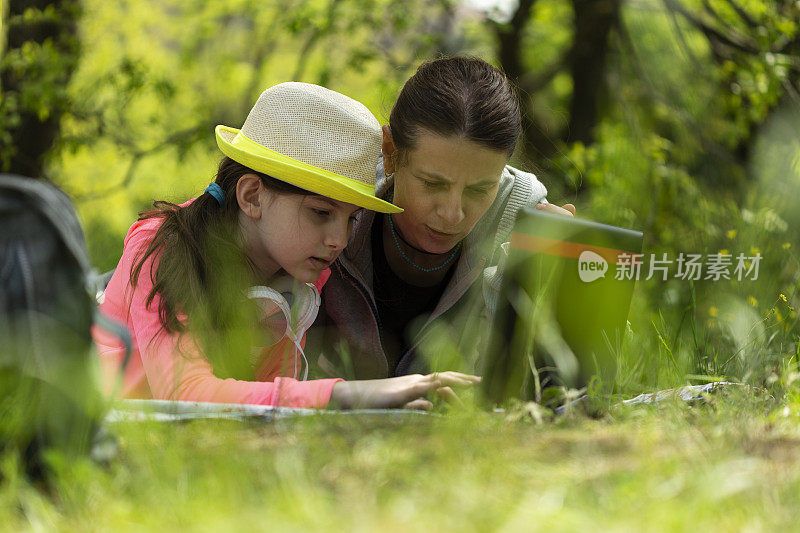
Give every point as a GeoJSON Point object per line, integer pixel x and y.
{"type": "Point", "coordinates": [408, 259]}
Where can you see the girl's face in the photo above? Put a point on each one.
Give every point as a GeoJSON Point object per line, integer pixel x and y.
{"type": "Point", "coordinates": [445, 185]}
{"type": "Point", "coordinates": [301, 235]}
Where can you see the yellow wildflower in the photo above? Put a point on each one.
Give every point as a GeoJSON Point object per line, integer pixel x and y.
{"type": "Point", "coordinates": [754, 250]}
{"type": "Point", "coordinates": [783, 297]}
{"type": "Point", "coordinates": [723, 252]}
{"type": "Point", "coordinates": [731, 233]}
{"type": "Point", "coordinates": [752, 301]}
{"type": "Point", "coordinates": [713, 311]}
{"type": "Point", "coordinates": [787, 245]}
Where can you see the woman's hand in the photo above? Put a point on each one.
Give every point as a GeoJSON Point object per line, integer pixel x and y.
{"type": "Point", "coordinates": [566, 209]}
{"type": "Point", "coordinates": [404, 391]}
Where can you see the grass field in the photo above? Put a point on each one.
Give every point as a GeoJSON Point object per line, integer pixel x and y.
{"type": "Point", "coordinates": [727, 464]}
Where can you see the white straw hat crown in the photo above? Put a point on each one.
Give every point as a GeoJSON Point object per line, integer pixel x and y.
{"type": "Point", "coordinates": [323, 141]}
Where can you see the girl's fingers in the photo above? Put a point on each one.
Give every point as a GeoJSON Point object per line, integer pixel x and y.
{"type": "Point", "coordinates": [420, 387]}
{"type": "Point", "coordinates": [450, 396]}
{"type": "Point", "coordinates": [468, 377]}
{"type": "Point", "coordinates": [456, 379]}
{"type": "Point", "coordinates": [461, 375]}
{"type": "Point", "coordinates": [414, 388]}
{"type": "Point", "coordinates": [420, 404]}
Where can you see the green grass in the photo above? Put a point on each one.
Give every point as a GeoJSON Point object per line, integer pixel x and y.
{"type": "Point", "coordinates": [731, 464]}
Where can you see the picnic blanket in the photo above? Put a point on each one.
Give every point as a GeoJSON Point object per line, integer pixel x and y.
{"type": "Point", "coordinates": [170, 411]}
{"type": "Point", "coordinates": [689, 393]}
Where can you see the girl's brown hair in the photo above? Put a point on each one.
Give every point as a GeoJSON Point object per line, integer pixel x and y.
{"type": "Point", "coordinates": [199, 266]}
{"type": "Point", "coordinates": [457, 96]}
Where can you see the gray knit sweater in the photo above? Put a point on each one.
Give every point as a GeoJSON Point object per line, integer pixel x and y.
{"type": "Point", "coordinates": [347, 332]}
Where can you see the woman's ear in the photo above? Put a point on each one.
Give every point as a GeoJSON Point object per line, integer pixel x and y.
{"type": "Point", "coordinates": [248, 195]}
{"type": "Point", "coordinates": [389, 151]}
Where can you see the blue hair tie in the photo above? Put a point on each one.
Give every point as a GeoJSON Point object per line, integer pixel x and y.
{"type": "Point", "coordinates": [216, 191]}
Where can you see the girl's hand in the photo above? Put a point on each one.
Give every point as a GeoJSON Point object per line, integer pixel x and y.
{"type": "Point", "coordinates": [566, 210]}
{"type": "Point", "coordinates": [404, 391]}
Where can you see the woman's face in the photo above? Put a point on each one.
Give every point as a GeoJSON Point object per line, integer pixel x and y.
{"type": "Point", "coordinates": [300, 234]}
{"type": "Point", "coordinates": [445, 185]}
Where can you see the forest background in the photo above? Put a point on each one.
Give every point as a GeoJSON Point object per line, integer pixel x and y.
{"type": "Point", "coordinates": [679, 118]}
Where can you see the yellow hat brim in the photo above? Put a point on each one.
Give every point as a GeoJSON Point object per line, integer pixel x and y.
{"type": "Point", "coordinates": [261, 159]}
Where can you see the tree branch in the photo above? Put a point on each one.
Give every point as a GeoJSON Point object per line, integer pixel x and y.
{"type": "Point", "coordinates": [532, 82]}
{"type": "Point", "coordinates": [682, 40]}
{"type": "Point", "coordinates": [316, 34]}
{"type": "Point", "coordinates": [750, 21]}
{"type": "Point", "coordinates": [136, 158]}
{"type": "Point", "coordinates": [509, 37]}
{"type": "Point", "coordinates": [711, 33]}
{"type": "Point", "coordinates": [655, 95]}
{"type": "Point", "coordinates": [259, 61]}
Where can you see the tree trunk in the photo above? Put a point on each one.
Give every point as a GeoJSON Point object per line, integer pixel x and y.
{"type": "Point", "coordinates": [594, 20]}
{"type": "Point", "coordinates": [34, 86]}
{"type": "Point", "coordinates": [535, 143]}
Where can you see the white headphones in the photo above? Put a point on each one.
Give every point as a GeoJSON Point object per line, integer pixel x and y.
{"type": "Point", "coordinates": [299, 303]}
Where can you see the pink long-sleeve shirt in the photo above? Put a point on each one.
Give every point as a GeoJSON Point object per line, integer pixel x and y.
{"type": "Point", "coordinates": [172, 366]}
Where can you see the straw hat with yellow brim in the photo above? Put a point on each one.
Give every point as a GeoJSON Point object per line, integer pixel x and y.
{"type": "Point", "coordinates": [314, 138]}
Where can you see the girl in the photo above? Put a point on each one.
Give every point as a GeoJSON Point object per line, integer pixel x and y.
{"type": "Point", "coordinates": [295, 178]}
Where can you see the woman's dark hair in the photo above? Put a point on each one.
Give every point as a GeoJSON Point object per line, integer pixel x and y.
{"type": "Point", "coordinates": [199, 265]}
{"type": "Point", "coordinates": [457, 96]}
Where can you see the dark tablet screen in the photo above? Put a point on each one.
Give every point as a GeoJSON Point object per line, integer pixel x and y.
{"type": "Point", "coordinates": [563, 305]}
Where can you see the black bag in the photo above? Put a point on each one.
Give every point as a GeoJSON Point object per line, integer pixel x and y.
{"type": "Point", "coordinates": [48, 395]}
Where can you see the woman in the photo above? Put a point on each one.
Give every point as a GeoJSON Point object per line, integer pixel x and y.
{"type": "Point", "coordinates": [277, 215]}
{"type": "Point", "coordinates": [452, 130]}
